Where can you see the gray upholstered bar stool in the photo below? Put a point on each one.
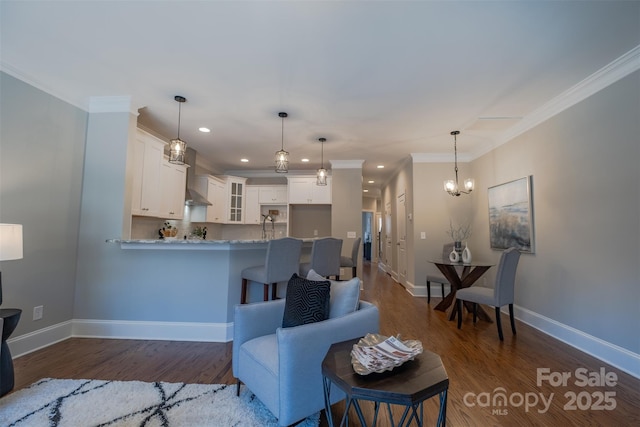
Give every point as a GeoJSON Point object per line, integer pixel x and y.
{"type": "Point", "coordinates": [353, 261]}
{"type": "Point", "coordinates": [446, 250]}
{"type": "Point", "coordinates": [325, 258]}
{"type": "Point", "coordinates": [282, 260]}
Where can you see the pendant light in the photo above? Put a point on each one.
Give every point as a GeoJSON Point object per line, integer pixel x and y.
{"type": "Point", "coordinates": [451, 186]}
{"type": "Point", "coordinates": [282, 156]}
{"type": "Point", "coordinates": [177, 147]}
{"type": "Point", "coordinates": [321, 175]}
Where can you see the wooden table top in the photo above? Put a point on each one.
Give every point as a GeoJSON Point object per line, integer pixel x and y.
{"type": "Point", "coordinates": [412, 382]}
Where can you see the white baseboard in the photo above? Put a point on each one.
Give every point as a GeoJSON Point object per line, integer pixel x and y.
{"type": "Point", "coordinates": [612, 354]}
{"type": "Point", "coordinates": [84, 328]}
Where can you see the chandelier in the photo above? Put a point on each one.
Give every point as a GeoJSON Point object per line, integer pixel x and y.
{"type": "Point", "coordinates": [451, 186]}
{"type": "Point", "coordinates": [321, 175]}
{"type": "Point", "coordinates": [282, 156]}
{"type": "Point", "coordinates": [177, 147]}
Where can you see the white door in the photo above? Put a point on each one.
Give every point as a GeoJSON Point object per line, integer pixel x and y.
{"type": "Point", "coordinates": [402, 240]}
{"type": "Point", "coordinates": [388, 236]}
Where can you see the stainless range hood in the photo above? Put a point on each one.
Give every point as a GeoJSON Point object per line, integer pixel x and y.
{"type": "Point", "coordinates": [191, 195]}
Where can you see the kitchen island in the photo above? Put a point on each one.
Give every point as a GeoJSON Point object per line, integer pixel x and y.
{"type": "Point", "coordinates": [173, 289]}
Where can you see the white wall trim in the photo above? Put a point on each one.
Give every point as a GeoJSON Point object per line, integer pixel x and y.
{"type": "Point", "coordinates": [607, 75]}
{"type": "Point", "coordinates": [119, 329]}
{"type": "Point", "coordinates": [110, 104]}
{"type": "Point", "coordinates": [36, 340]}
{"type": "Point", "coordinates": [612, 354]}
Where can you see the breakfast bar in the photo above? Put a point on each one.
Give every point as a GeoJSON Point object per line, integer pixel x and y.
{"type": "Point", "coordinates": [190, 287]}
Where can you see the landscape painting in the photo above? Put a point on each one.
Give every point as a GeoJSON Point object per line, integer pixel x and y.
{"type": "Point", "coordinates": [511, 215]}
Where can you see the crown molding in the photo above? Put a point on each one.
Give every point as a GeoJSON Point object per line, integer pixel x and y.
{"type": "Point", "coordinates": [110, 104]}
{"type": "Point", "coordinates": [440, 158]}
{"type": "Point", "coordinates": [607, 75]}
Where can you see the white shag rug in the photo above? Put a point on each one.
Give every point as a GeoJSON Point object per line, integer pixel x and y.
{"type": "Point", "coordinates": [83, 403]}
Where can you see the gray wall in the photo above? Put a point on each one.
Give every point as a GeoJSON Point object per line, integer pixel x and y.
{"type": "Point", "coordinates": [41, 161]}
{"type": "Point", "coordinates": [346, 212]}
{"type": "Point", "coordinates": [586, 189]}
{"type": "Point", "coordinates": [585, 273]}
{"type": "Point", "coordinates": [305, 219]}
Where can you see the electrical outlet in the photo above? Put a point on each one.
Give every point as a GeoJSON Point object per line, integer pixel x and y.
{"type": "Point", "coordinates": [315, 232]}
{"type": "Point", "coordinates": [38, 312]}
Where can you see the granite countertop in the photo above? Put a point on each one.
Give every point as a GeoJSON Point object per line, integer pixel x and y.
{"type": "Point", "coordinates": [184, 241]}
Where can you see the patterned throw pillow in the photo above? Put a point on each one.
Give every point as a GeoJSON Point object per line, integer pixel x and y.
{"type": "Point", "coordinates": [307, 301]}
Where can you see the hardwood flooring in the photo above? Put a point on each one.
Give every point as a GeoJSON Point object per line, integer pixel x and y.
{"type": "Point", "coordinates": [481, 369]}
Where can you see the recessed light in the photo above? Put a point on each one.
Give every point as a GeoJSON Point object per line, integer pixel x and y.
{"type": "Point", "coordinates": [365, 191]}
{"type": "Point", "coordinates": [244, 160]}
{"type": "Point", "coordinates": [371, 181]}
{"type": "Point", "coordinates": [380, 166]}
{"type": "Point", "coordinates": [204, 130]}
{"type": "Point", "coordinates": [305, 160]}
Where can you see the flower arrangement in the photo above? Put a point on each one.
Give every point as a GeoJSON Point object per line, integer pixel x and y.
{"type": "Point", "coordinates": [459, 234]}
{"type": "Point", "coordinates": [200, 232]}
{"type": "Point", "coordinates": [168, 230]}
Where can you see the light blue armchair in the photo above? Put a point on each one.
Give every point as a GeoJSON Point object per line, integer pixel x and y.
{"type": "Point", "coordinates": [282, 366]}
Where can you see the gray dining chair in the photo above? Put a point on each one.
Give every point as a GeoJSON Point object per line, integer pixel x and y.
{"type": "Point", "coordinates": [346, 262]}
{"type": "Point", "coordinates": [325, 258]}
{"type": "Point", "coordinates": [282, 260]}
{"type": "Point", "coordinates": [446, 250]}
{"type": "Point", "coordinates": [501, 294]}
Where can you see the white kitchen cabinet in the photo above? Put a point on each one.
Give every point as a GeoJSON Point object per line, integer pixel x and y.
{"type": "Point", "coordinates": [146, 192]}
{"type": "Point", "coordinates": [252, 205]}
{"type": "Point", "coordinates": [174, 179]}
{"type": "Point", "coordinates": [303, 190]}
{"type": "Point", "coordinates": [235, 199]}
{"type": "Point", "coordinates": [215, 190]}
{"type": "Point", "coordinates": [273, 195]}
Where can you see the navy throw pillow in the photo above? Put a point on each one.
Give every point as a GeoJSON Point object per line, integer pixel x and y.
{"type": "Point", "coordinates": [307, 301]}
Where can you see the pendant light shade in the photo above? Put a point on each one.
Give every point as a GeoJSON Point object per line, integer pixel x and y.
{"type": "Point", "coordinates": [178, 147]}
{"type": "Point", "coordinates": [321, 174]}
{"type": "Point", "coordinates": [282, 156]}
{"type": "Point", "coordinates": [450, 185]}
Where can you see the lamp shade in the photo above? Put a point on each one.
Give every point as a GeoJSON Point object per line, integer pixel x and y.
{"type": "Point", "coordinates": [10, 241]}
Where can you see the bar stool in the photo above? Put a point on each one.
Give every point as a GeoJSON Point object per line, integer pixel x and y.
{"type": "Point", "coordinates": [325, 258]}
{"type": "Point", "coordinates": [282, 260]}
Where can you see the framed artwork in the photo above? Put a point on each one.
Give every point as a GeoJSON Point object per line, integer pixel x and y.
{"type": "Point", "coordinates": [511, 215]}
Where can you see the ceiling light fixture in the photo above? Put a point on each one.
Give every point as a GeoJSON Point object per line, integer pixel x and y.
{"type": "Point", "coordinates": [177, 147]}
{"type": "Point", "coordinates": [321, 175]}
{"type": "Point", "coordinates": [451, 186]}
{"type": "Point", "coordinates": [282, 156]}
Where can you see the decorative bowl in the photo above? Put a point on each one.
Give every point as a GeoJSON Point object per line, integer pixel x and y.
{"type": "Point", "coordinates": [385, 363]}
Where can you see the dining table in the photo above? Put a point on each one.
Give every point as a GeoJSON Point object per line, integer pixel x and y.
{"type": "Point", "coordinates": [460, 275]}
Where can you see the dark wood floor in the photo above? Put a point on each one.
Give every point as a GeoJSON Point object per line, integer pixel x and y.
{"type": "Point", "coordinates": [479, 366]}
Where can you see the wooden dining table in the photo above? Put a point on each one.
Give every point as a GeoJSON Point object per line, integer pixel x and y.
{"type": "Point", "coordinates": [460, 275]}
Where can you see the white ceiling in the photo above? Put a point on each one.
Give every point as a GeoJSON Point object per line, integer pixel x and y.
{"type": "Point", "coordinates": [379, 80]}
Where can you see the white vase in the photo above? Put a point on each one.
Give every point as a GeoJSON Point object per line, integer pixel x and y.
{"type": "Point", "coordinates": [466, 255]}
{"type": "Point", "coordinates": [454, 257]}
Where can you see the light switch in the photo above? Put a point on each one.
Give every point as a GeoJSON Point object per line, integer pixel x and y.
{"type": "Point", "coordinates": [351, 234]}
{"type": "Point", "coordinates": [423, 235]}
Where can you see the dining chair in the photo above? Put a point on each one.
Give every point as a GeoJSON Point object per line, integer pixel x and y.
{"type": "Point", "coordinates": [446, 250]}
{"type": "Point", "coordinates": [282, 260]}
{"type": "Point", "coordinates": [353, 260]}
{"type": "Point", "coordinates": [501, 294]}
{"type": "Point", "coordinates": [325, 258]}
